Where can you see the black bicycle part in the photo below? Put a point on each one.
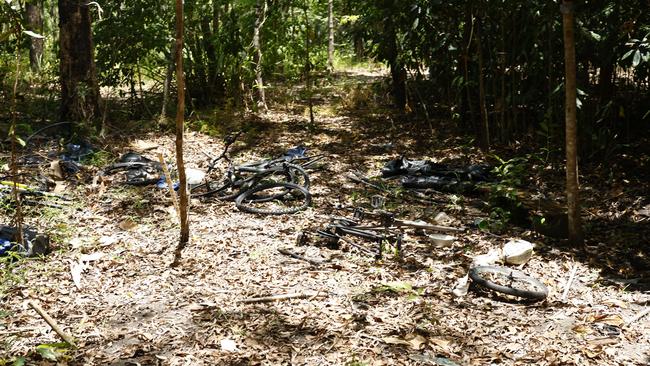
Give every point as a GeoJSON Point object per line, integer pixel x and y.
{"type": "Point", "coordinates": [532, 288]}
{"type": "Point", "coordinates": [256, 200]}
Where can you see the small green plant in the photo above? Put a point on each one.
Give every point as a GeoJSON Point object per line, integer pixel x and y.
{"type": "Point", "coordinates": [503, 197]}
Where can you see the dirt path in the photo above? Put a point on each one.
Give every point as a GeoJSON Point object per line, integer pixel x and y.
{"type": "Point", "coordinates": [129, 307]}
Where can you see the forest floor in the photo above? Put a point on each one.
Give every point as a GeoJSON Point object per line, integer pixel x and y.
{"type": "Point", "coordinates": [109, 282]}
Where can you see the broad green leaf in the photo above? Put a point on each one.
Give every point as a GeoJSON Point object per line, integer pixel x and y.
{"type": "Point", "coordinates": [33, 35]}
{"type": "Point", "coordinates": [636, 60]}
{"type": "Point", "coordinates": [47, 352]}
{"type": "Point", "coordinates": [627, 54]}
{"type": "Point", "coordinates": [19, 361]}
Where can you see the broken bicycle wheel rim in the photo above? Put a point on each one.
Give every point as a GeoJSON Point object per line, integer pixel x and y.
{"type": "Point", "coordinates": [509, 281]}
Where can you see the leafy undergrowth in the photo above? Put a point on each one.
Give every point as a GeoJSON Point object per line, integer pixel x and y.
{"type": "Point", "coordinates": [125, 305]}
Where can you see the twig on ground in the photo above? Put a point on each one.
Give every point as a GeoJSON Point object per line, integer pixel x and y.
{"type": "Point", "coordinates": [48, 319]}
{"type": "Point", "coordinates": [314, 262]}
{"type": "Point", "coordinates": [357, 178]}
{"type": "Point", "coordinates": [16, 331]}
{"type": "Point", "coordinates": [639, 316]}
{"type": "Point", "coordinates": [567, 285]}
{"type": "Point", "coordinates": [168, 178]}
{"type": "Point", "coordinates": [297, 295]}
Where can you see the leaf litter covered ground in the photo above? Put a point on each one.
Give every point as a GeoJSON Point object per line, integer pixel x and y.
{"type": "Point", "coordinates": [109, 283]}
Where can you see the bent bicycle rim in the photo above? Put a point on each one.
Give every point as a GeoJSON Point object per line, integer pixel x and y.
{"type": "Point", "coordinates": [274, 199]}
{"type": "Point", "coordinates": [508, 281]}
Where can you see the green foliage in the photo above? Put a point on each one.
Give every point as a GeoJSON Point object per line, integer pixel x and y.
{"type": "Point", "coordinates": [503, 199]}
{"type": "Point", "coordinates": [11, 273]}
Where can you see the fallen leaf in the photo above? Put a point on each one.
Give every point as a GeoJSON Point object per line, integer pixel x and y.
{"type": "Point", "coordinates": [143, 145]}
{"type": "Point", "coordinates": [75, 270]}
{"type": "Point", "coordinates": [416, 341]}
{"type": "Point", "coordinates": [615, 302]}
{"type": "Point", "coordinates": [603, 341]}
{"type": "Point", "coordinates": [56, 171]}
{"type": "Point", "coordinates": [592, 351]}
{"type": "Point", "coordinates": [91, 257]}
{"type": "Point", "coordinates": [127, 224]}
{"type": "Point", "coordinates": [108, 240]}
{"type": "Point", "coordinates": [582, 329]}
{"type": "Point", "coordinates": [440, 342]}
{"type": "Point", "coordinates": [615, 320]}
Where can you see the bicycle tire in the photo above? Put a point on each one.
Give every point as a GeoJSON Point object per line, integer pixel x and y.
{"type": "Point", "coordinates": [478, 275]}
{"type": "Point", "coordinates": [223, 192]}
{"type": "Point", "coordinates": [245, 201]}
{"type": "Point", "coordinates": [292, 173]}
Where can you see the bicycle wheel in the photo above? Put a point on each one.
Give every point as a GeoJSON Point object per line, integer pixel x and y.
{"type": "Point", "coordinates": [508, 281]}
{"type": "Point", "coordinates": [224, 191]}
{"type": "Point", "coordinates": [280, 172]}
{"type": "Point", "coordinates": [274, 199]}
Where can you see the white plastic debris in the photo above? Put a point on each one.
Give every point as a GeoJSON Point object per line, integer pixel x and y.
{"type": "Point", "coordinates": [517, 251]}
{"type": "Point", "coordinates": [194, 176]}
{"type": "Point", "coordinates": [228, 345]}
{"type": "Point", "coordinates": [461, 287]}
{"type": "Point", "coordinates": [442, 219]}
{"type": "Point", "coordinates": [442, 240]}
{"type": "Point", "coordinates": [492, 257]}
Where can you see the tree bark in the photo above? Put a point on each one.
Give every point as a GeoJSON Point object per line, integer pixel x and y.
{"type": "Point", "coordinates": [260, 17]}
{"type": "Point", "coordinates": [79, 87]}
{"type": "Point", "coordinates": [180, 119]}
{"type": "Point", "coordinates": [168, 80]}
{"type": "Point", "coordinates": [34, 12]}
{"type": "Point", "coordinates": [330, 38]}
{"type": "Point", "coordinates": [572, 187]}
{"type": "Point", "coordinates": [484, 131]}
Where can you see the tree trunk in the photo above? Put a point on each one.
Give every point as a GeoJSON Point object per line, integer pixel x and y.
{"type": "Point", "coordinates": [308, 71]}
{"type": "Point", "coordinates": [484, 131]}
{"type": "Point", "coordinates": [168, 80]}
{"type": "Point", "coordinates": [330, 38]}
{"type": "Point", "coordinates": [180, 116]}
{"type": "Point", "coordinates": [34, 12]}
{"type": "Point", "coordinates": [572, 190]}
{"type": "Point", "coordinates": [260, 17]}
{"type": "Point", "coordinates": [79, 88]}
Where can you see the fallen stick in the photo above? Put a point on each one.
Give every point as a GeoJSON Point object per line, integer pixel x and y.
{"type": "Point", "coordinates": [567, 285]}
{"type": "Point", "coordinates": [48, 319]}
{"type": "Point", "coordinates": [639, 316]}
{"type": "Point", "coordinates": [297, 295]}
{"type": "Point", "coordinates": [15, 331]}
{"type": "Point", "coordinates": [298, 256]}
{"type": "Point", "coordinates": [355, 178]}
{"type": "Point", "coordinates": [168, 179]}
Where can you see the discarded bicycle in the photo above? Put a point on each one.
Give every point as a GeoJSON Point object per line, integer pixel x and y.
{"type": "Point", "coordinates": [270, 187]}
{"type": "Point", "coordinates": [508, 281]}
{"type": "Point", "coordinates": [387, 230]}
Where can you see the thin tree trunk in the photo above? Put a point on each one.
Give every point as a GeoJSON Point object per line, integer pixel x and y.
{"type": "Point", "coordinates": [168, 80]}
{"type": "Point", "coordinates": [180, 116]}
{"type": "Point", "coordinates": [18, 215]}
{"type": "Point", "coordinates": [308, 71]}
{"type": "Point", "coordinates": [468, 34]}
{"type": "Point", "coordinates": [260, 17]}
{"type": "Point", "coordinates": [35, 23]}
{"type": "Point", "coordinates": [484, 132]}
{"type": "Point", "coordinates": [572, 188]}
{"type": "Point", "coordinates": [330, 38]}
{"type": "Point", "coordinates": [79, 87]}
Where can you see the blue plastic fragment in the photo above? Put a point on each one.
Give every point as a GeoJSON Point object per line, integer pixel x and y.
{"type": "Point", "coordinates": [296, 152]}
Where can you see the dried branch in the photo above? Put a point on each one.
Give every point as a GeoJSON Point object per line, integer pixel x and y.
{"type": "Point", "coordinates": [48, 319]}
{"type": "Point", "coordinates": [168, 178]}
{"type": "Point", "coordinates": [567, 286]}
{"type": "Point", "coordinates": [314, 262]}
{"type": "Point", "coordinates": [297, 295]}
